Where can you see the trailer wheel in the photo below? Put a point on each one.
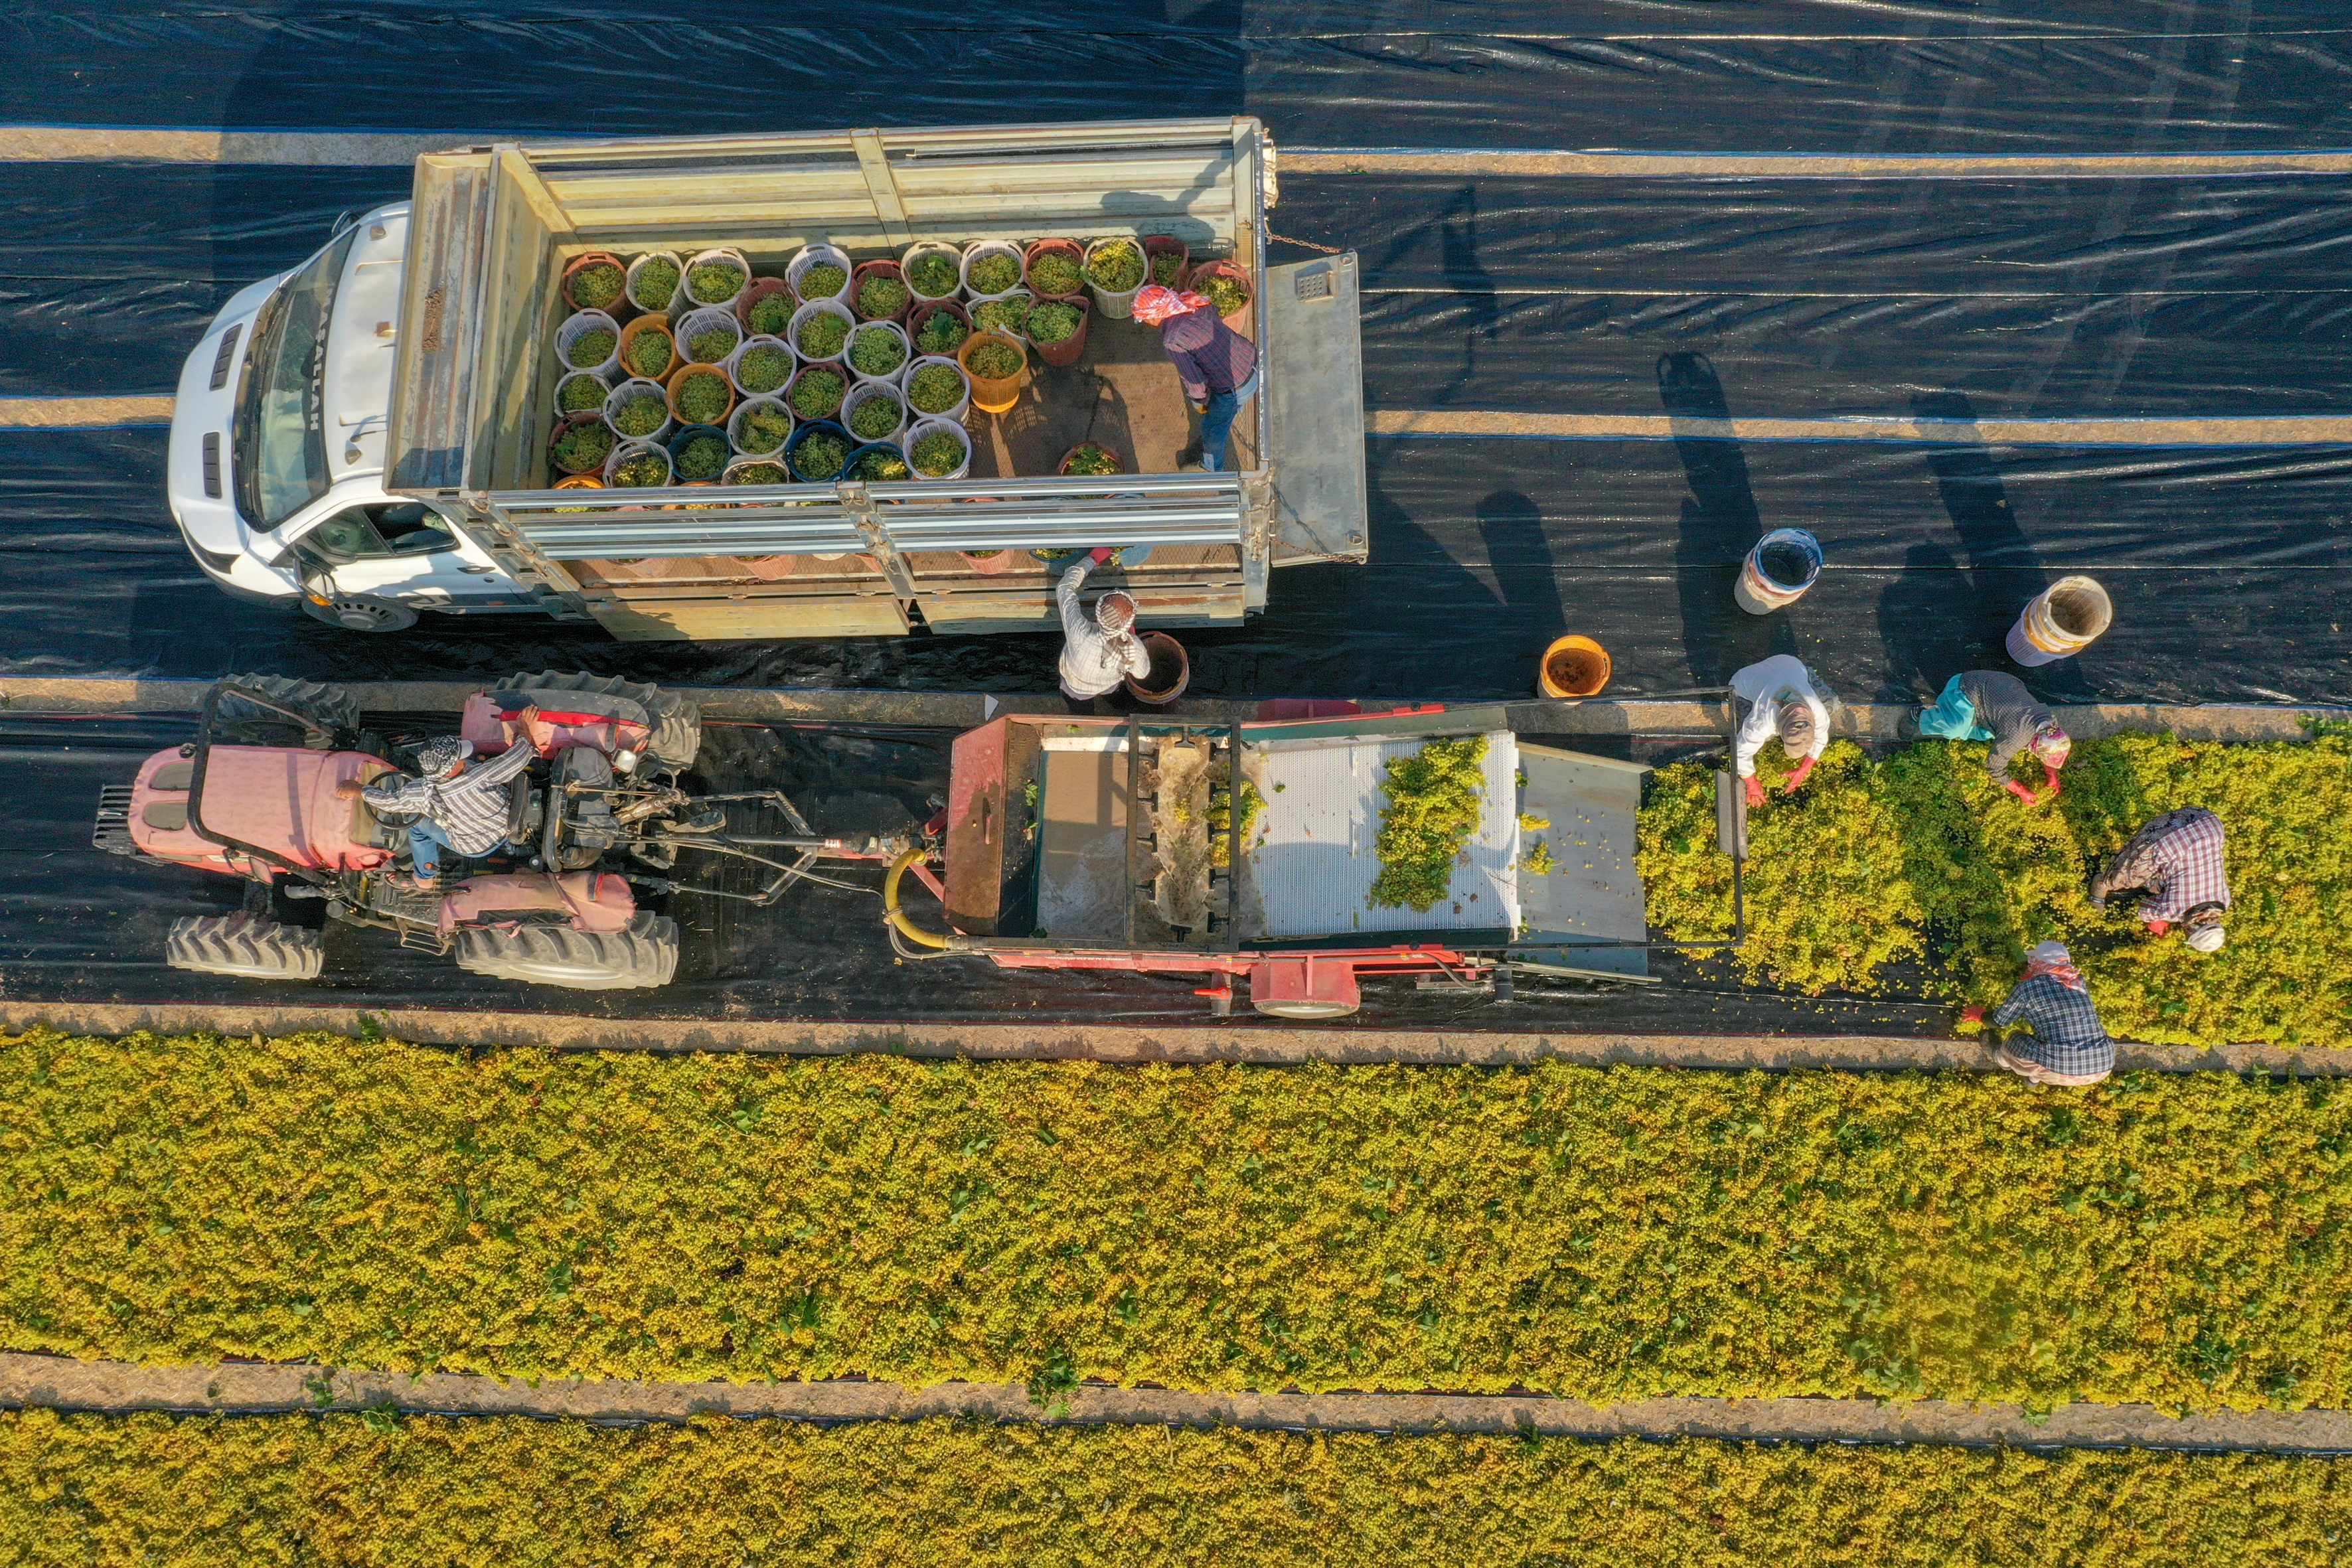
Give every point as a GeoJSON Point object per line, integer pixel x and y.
{"type": "Point", "coordinates": [1301, 1008]}
{"type": "Point", "coordinates": [1297, 988]}
{"type": "Point", "coordinates": [678, 724]}
{"type": "Point", "coordinates": [246, 945]}
{"type": "Point", "coordinates": [328, 707]}
{"type": "Point", "coordinates": [643, 956]}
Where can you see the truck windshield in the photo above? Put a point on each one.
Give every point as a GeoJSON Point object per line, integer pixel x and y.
{"type": "Point", "coordinates": [280, 450]}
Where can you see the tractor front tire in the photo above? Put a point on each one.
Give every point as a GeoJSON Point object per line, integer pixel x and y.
{"type": "Point", "coordinates": [328, 707]}
{"type": "Point", "coordinates": [643, 956]}
{"type": "Point", "coordinates": [676, 723]}
{"type": "Point", "coordinates": [248, 946]}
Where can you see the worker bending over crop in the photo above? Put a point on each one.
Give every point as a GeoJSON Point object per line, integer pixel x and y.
{"type": "Point", "coordinates": [1992, 705]}
{"type": "Point", "coordinates": [2176, 860]}
{"type": "Point", "coordinates": [1100, 652]}
{"type": "Point", "coordinates": [1216, 364]}
{"type": "Point", "coordinates": [1779, 696]}
{"type": "Point", "coordinates": [458, 807]}
{"type": "Point", "coordinates": [2068, 1045]}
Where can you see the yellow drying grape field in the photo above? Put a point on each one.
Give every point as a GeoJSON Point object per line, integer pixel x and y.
{"type": "Point", "coordinates": [342, 1491]}
{"type": "Point", "coordinates": [1603, 1234]}
{"type": "Point", "coordinates": [1920, 858]}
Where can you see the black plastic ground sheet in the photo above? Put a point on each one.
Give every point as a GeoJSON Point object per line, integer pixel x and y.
{"type": "Point", "coordinates": [2116, 291]}
{"type": "Point", "coordinates": [77, 924]}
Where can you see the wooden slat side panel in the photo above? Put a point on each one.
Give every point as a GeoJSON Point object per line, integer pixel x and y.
{"type": "Point", "coordinates": [432, 373]}
{"type": "Point", "coordinates": [511, 407]}
{"type": "Point", "coordinates": [713, 620]}
{"type": "Point", "coordinates": [1016, 609]}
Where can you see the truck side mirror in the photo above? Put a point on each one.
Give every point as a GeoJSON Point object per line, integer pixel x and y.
{"type": "Point", "coordinates": [1730, 814]}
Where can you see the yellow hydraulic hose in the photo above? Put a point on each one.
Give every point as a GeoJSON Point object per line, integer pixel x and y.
{"type": "Point", "coordinates": [897, 917]}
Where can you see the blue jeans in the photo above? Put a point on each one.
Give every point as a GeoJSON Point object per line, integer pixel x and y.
{"type": "Point", "coordinates": [1217, 421]}
{"type": "Point", "coordinates": [425, 841]}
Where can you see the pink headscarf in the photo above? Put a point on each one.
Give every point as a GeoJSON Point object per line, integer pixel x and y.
{"type": "Point", "coordinates": [2051, 958]}
{"type": "Point", "coordinates": [1157, 304]}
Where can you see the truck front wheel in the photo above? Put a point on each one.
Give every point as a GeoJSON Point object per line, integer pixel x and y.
{"type": "Point", "coordinates": [361, 613]}
{"type": "Point", "coordinates": [249, 946]}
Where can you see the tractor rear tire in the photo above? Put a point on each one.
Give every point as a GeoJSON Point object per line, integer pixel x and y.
{"type": "Point", "coordinates": [643, 956]}
{"type": "Point", "coordinates": [249, 946]}
{"type": "Point", "coordinates": [328, 707]}
{"type": "Point", "coordinates": [676, 723]}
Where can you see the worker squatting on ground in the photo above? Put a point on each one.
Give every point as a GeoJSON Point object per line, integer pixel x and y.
{"type": "Point", "coordinates": [1779, 696]}
{"type": "Point", "coordinates": [1098, 652]}
{"type": "Point", "coordinates": [2176, 860]}
{"type": "Point", "coordinates": [460, 808]}
{"type": "Point", "coordinates": [1216, 364]}
{"type": "Point", "coordinates": [2068, 1045]}
{"type": "Point", "coordinates": [1989, 705]}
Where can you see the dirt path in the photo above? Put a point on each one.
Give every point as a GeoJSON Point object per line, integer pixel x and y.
{"type": "Point", "coordinates": [115, 1387]}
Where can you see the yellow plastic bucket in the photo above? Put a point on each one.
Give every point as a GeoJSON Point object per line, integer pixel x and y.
{"type": "Point", "coordinates": [1573, 666]}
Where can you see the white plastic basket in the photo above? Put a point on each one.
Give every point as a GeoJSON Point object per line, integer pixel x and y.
{"type": "Point", "coordinates": [1120, 306]}
{"type": "Point", "coordinates": [637, 386]}
{"type": "Point", "coordinates": [991, 247]}
{"type": "Point", "coordinates": [629, 289]}
{"type": "Point", "coordinates": [735, 427]}
{"type": "Point", "coordinates": [631, 449]}
{"type": "Point", "coordinates": [808, 256]}
{"type": "Point", "coordinates": [962, 403]}
{"type": "Point", "coordinates": [714, 318]}
{"type": "Point", "coordinates": [686, 299]}
{"type": "Point", "coordinates": [739, 464]}
{"type": "Point", "coordinates": [922, 427]}
{"type": "Point", "coordinates": [905, 356]}
{"type": "Point", "coordinates": [930, 248]}
{"type": "Point", "coordinates": [603, 390]}
{"type": "Point", "coordinates": [863, 393]}
{"type": "Point", "coordinates": [814, 307]}
{"type": "Point", "coordinates": [734, 362]}
{"type": "Point", "coordinates": [581, 321]}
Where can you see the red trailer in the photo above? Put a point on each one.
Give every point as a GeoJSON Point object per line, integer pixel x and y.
{"type": "Point", "coordinates": [1079, 843]}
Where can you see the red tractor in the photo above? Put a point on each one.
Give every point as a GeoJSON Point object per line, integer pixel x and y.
{"type": "Point", "coordinates": [592, 824]}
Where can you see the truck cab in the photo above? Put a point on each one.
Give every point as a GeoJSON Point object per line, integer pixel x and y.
{"type": "Point", "coordinates": [276, 472]}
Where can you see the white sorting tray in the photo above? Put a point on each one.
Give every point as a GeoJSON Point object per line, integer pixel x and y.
{"type": "Point", "coordinates": [1312, 858]}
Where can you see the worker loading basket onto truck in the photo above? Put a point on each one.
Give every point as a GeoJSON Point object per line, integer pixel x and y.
{"type": "Point", "coordinates": [1100, 651]}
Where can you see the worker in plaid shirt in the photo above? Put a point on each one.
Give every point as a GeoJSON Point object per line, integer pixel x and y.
{"type": "Point", "coordinates": [2177, 860]}
{"type": "Point", "coordinates": [2068, 1046]}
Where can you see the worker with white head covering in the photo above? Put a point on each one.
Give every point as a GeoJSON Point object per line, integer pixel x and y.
{"type": "Point", "coordinates": [2177, 861]}
{"type": "Point", "coordinates": [2068, 1045]}
{"type": "Point", "coordinates": [1779, 696]}
{"type": "Point", "coordinates": [1100, 651]}
{"type": "Point", "coordinates": [1994, 705]}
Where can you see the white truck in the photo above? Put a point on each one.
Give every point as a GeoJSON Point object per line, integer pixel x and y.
{"type": "Point", "coordinates": [365, 437]}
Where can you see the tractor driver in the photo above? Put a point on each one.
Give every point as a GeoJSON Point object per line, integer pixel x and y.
{"type": "Point", "coordinates": [457, 808]}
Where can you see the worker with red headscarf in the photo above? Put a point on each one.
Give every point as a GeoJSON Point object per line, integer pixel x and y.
{"type": "Point", "coordinates": [1216, 364]}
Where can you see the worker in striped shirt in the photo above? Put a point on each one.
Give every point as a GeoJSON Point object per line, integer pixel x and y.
{"type": "Point", "coordinates": [2177, 861]}
{"type": "Point", "coordinates": [2068, 1045]}
{"type": "Point", "coordinates": [458, 807]}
